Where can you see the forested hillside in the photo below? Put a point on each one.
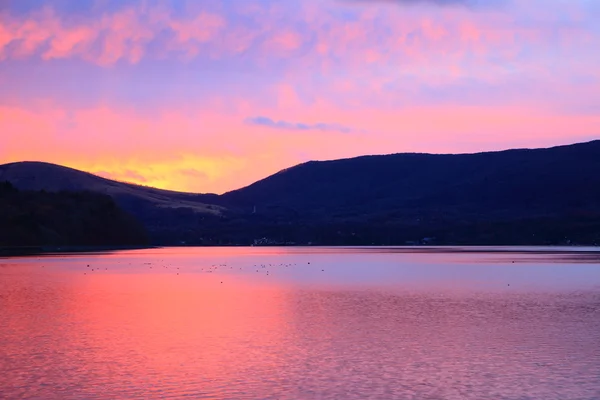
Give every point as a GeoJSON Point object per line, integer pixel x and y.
{"type": "Point", "coordinates": [39, 218]}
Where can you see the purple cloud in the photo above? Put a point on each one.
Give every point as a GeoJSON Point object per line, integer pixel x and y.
{"type": "Point", "coordinates": [298, 126]}
{"type": "Point", "coordinates": [465, 3]}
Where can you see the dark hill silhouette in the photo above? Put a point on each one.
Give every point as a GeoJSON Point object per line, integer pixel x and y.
{"type": "Point", "coordinates": [30, 175]}
{"type": "Point", "coordinates": [522, 182]}
{"type": "Point", "coordinates": [539, 196]}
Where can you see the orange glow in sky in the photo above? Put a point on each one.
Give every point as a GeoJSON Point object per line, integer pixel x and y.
{"type": "Point", "coordinates": [207, 97]}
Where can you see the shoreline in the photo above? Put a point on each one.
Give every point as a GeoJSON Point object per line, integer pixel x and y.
{"type": "Point", "coordinates": [23, 251]}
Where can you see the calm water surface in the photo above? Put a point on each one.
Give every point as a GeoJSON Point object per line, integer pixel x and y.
{"type": "Point", "coordinates": [294, 323]}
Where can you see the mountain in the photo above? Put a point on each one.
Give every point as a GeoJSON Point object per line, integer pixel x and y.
{"type": "Point", "coordinates": [50, 177]}
{"type": "Point", "coordinates": [524, 196]}
{"type": "Point", "coordinates": [519, 181]}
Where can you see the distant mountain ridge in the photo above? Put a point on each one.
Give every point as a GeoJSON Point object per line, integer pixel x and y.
{"type": "Point", "coordinates": [523, 196]}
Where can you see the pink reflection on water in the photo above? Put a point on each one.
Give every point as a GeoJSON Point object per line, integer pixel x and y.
{"type": "Point", "coordinates": [126, 330]}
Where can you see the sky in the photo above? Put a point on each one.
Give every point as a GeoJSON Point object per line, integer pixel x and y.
{"type": "Point", "coordinates": [210, 96]}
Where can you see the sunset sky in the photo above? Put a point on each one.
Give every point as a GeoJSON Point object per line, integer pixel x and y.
{"type": "Point", "coordinates": [209, 96]}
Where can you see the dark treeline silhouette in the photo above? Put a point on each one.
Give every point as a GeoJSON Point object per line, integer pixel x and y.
{"type": "Point", "coordinates": [40, 218]}
{"type": "Point", "coordinates": [521, 197]}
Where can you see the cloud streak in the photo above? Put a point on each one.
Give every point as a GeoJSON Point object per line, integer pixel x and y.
{"type": "Point", "coordinates": [441, 3]}
{"type": "Point", "coordinates": [299, 126]}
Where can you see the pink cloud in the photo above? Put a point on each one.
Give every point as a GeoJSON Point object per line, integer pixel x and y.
{"type": "Point", "coordinates": [285, 41]}
{"type": "Point", "coordinates": [189, 34]}
{"type": "Point", "coordinates": [67, 42]}
{"type": "Point", "coordinates": [379, 35]}
{"type": "Point", "coordinates": [123, 34]}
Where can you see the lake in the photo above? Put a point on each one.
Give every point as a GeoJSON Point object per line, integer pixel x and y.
{"type": "Point", "coordinates": [302, 323]}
